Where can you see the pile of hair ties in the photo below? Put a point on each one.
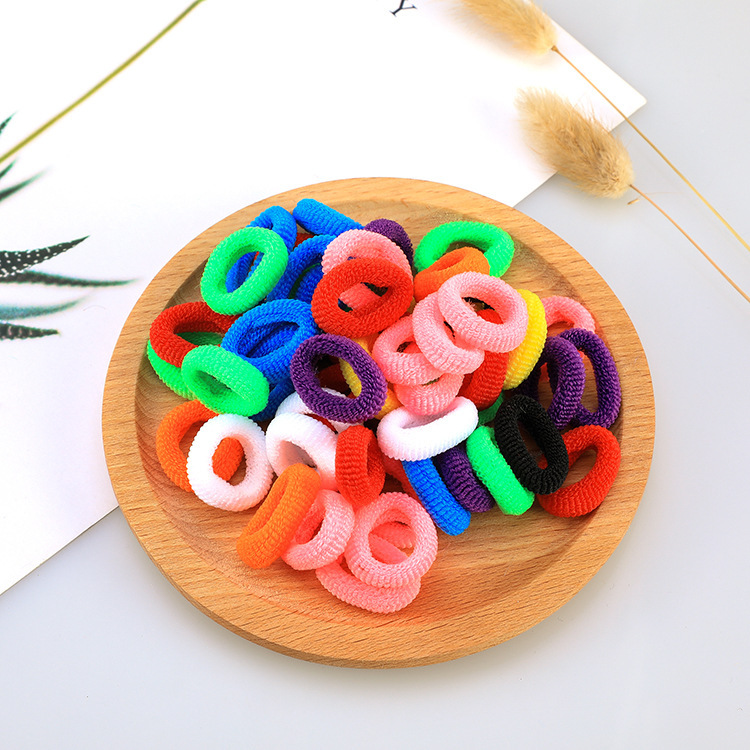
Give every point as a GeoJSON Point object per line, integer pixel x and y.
{"type": "Point", "coordinates": [364, 357]}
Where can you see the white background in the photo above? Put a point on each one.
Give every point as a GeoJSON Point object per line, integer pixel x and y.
{"type": "Point", "coordinates": [98, 650]}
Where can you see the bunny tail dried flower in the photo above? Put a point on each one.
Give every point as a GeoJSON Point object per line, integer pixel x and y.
{"type": "Point", "coordinates": [523, 22]}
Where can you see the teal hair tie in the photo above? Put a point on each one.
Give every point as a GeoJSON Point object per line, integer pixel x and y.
{"type": "Point", "coordinates": [225, 382]}
{"type": "Point", "coordinates": [495, 243]}
{"type": "Point", "coordinates": [259, 282]}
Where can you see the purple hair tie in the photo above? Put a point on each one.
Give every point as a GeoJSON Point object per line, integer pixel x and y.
{"type": "Point", "coordinates": [567, 379]}
{"type": "Point", "coordinates": [395, 233]}
{"type": "Point", "coordinates": [303, 371]}
{"type": "Point", "coordinates": [608, 391]}
{"type": "Point", "coordinates": [462, 483]}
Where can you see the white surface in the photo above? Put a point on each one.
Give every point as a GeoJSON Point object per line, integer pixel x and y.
{"type": "Point", "coordinates": [239, 102]}
{"type": "Point", "coordinates": [99, 650]}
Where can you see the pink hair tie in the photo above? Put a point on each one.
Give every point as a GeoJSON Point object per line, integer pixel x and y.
{"type": "Point", "coordinates": [345, 586]}
{"type": "Point", "coordinates": [445, 351]}
{"type": "Point", "coordinates": [566, 310]}
{"type": "Point", "coordinates": [359, 553]}
{"type": "Point", "coordinates": [431, 398]}
{"type": "Point", "coordinates": [402, 366]}
{"type": "Point", "coordinates": [323, 534]}
{"type": "Point", "coordinates": [409, 437]}
{"type": "Point", "coordinates": [361, 243]}
{"type": "Point", "coordinates": [463, 319]}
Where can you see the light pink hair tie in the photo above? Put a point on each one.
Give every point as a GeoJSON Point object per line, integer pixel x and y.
{"type": "Point", "coordinates": [323, 534]}
{"type": "Point", "coordinates": [463, 319]}
{"type": "Point", "coordinates": [430, 398]}
{"type": "Point", "coordinates": [566, 310]}
{"type": "Point", "coordinates": [443, 349]}
{"type": "Point", "coordinates": [345, 586]}
{"type": "Point", "coordinates": [402, 366]}
{"type": "Point", "coordinates": [395, 532]}
{"type": "Point", "coordinates": [361, 243]}
{"type": "Point", "coordinates": [359, 553]}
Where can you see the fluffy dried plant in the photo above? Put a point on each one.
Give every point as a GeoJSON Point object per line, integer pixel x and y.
{"type": "Point", "coordinates": [584, 151]}
{"type": "Point", "coordinates": [532, 30]}
{"type": "Point", "coordinates": [527, 26]}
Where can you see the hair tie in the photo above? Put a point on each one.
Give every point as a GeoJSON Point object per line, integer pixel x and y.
{"type": "Point", "coordinates": [534, 418]}
{"type": "Point", "coordinates": [371, 318]}
{"type": "Point", "coordinates": [303, 270]}
{"type": "Point", "coordinates": [456, 261]}
{"type": "Point", "coordinates": [443, 508]}
{"type": "Point", "coordinates": [400, 366]}
{"type": "Point", "coordinates": [608, 391]}
{"type": "Point", "coordinates": [395, 233]}
{"type": "Point", "coordinates": [463, 318]}
{"type": "Point", "coordinates": [296, 438]}
{"type": "Point", "coordinates": [267, 272]}
{"type": "Point", "coordinates": [249, 328]}
{"type": "Point", "coordinates": [352, 410]}
{"type": "Point", "coordinates": [409, 437]}
{"type": "Point", "coordinates": [317, 218]}
{"type": "Point", "coordinates": [170, 375]}
{"type": "Point", "coordinates": [493, 472]}
{"type": "Point", "coordinates": [444, 350]}
{"type": "Point", "coordinates": [360, 473]}
{"type": "Point", "coordinates": [455, 469]}
{"type": "Point", "coordinates": [173, 428]}
{"type": "Point", "coordinates": [272, 528]}
{"type": "Point", "coordinates": [431, 398]}
{"type": "Point", "coordinates": [322, 536]}
{"type": "Point", "coordinates": [566, 310]}
{"type": "Point", "coordinates": [293, 404]}
{"type": "Point", "coordinates": [216, 491]}
{"type": "Point", "coordinates": [587, 493]}
{"type": "Point", "coordinates": [225, 382]}
{"type": "Point", "coordinates": [494, 242]}
{"type": "Point", "coordinates": [522, 359]}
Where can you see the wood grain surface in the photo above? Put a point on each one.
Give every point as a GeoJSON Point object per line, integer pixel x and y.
{"type": "Point", "coordinates": [499, 578]}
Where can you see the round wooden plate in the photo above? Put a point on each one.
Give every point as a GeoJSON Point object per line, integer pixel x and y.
{"type": "Point", "coordinates": [496, 580]}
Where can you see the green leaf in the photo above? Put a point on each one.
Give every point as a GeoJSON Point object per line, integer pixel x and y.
{"type": "Point", "coordinates": [5, 122]}
{"type": "Point", "coordinates": [11, 331]}
{"type": "Point", "coordinates": [7, 169]}
{"type": "Point", "coordinates": [13, 262]}
{"type": "Point", "coordinates": [14, 312]}
{"type": "Point", "coordinates": [15, 188]}
{"type": "Point", "coordinates": [51, 279]}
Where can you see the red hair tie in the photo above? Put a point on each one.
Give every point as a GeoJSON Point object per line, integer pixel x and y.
{"type": "Point", "coordinates": [360, 473]}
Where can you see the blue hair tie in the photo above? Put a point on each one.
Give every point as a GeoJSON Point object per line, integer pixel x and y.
{"type": "Point", "coordinates": [444, 509]}
{"type": "Point", "coordinates": [274, 354]}
{"type": "Point", "coordinates": [317, 218]}
{"type": "Point", "coordinates": [279, 391]}
{"type": "Point", "coordinates": [275, 218]}
{"type": "Point", "coordinates": [303, 262]}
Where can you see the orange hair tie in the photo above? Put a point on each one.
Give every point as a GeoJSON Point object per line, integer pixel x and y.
{"type": "Point", "coordinates": [456, 261]}
{"type": "Point", "coordinates": [272, 528]}
{"type": "Point", "coordinates": [173, 428]}
{"type": "Point", "coordinates": [360, 473]}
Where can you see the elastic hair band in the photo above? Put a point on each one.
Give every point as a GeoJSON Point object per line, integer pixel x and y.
{"type": "Point", "coordinates": [224, 382]}
{"type": "Point", "coordinates": [271, 530]}
{"type": "Point", "coordinates": [323, 534]}
{"type": "Point", "coordinates": [495, 243]}
{"type": "Point", "coordinates": [455, 469]}
{"type": "Point", "coordinates": [170, 375]}
{"type": "Point", "coordinates": [523, 358]}
{"type": "Point", "coordinates": [394, 468]}
{"type": "Point", "coordinates": [442, 348]}
{"type": "Point", "coordinates": [444, 509]}
{"type": "Point", "coordinates": [398, 365]}
{"type": "Point", "coordinates": [317, 218]}
{"type": "Point", "coordinates": [304, 262]}
{"type": "Point", "coordinates": [493, 472]}
{"type": "Point", "coordinates": [371, 318]}
{"type": "Point", "coordinates": [431, 398]}
{"type": "Point", "coordinates": [216, 491]}
{"type": "Point", "coordinates": [509, 440]}
{"type": "Point", "coordinates": [587, 493]}
{"type": "Point", "coordinates": [608, 391]}
{"type": "Point", "coordinates": [488, 415]}
{"type": "Point", "coordinates": [359, 553]}
{"type": "Point", "coordinates": [296, 438]}
{"type": "Point", "coordinates": [352, 410]}
{"type": "Point", "coordinates": [360, 474]}
{"type": "Point", "coordinates": [456, 261]}
{"type": "Point", "coordinates": [463, 319]}
{"type": "Point", "coordinates": [409, 437]}
{"type": "Point", "coordinates": [293, 404]}
{"type": "Point", "coordinates": [566, 310]}
{"type": "Point", "coordinates": [278, 394]}
{"type": "Point", "coordinates": [165, 331]}
{"type": "Point", "coordinates": [173, 428]}
{"type": "Point", "coordinates": [258, 284]}
{"type": "Point", "coordinates": [395, 233]}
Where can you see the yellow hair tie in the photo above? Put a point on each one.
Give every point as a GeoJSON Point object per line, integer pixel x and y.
{"type": "Point", "coordinates": [523, 358]}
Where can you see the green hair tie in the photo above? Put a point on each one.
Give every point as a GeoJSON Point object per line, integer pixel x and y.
{"type": "Point", "coordinates": [260, 281]}
{"type": "Point", "coordinates": [225, 382]}
{"type": "Point", "coordinates": [495, 474]}
{"type": "Point", "coordinates": [488, 414]}
{"type": "Point", "coordinates": [495, 243]}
